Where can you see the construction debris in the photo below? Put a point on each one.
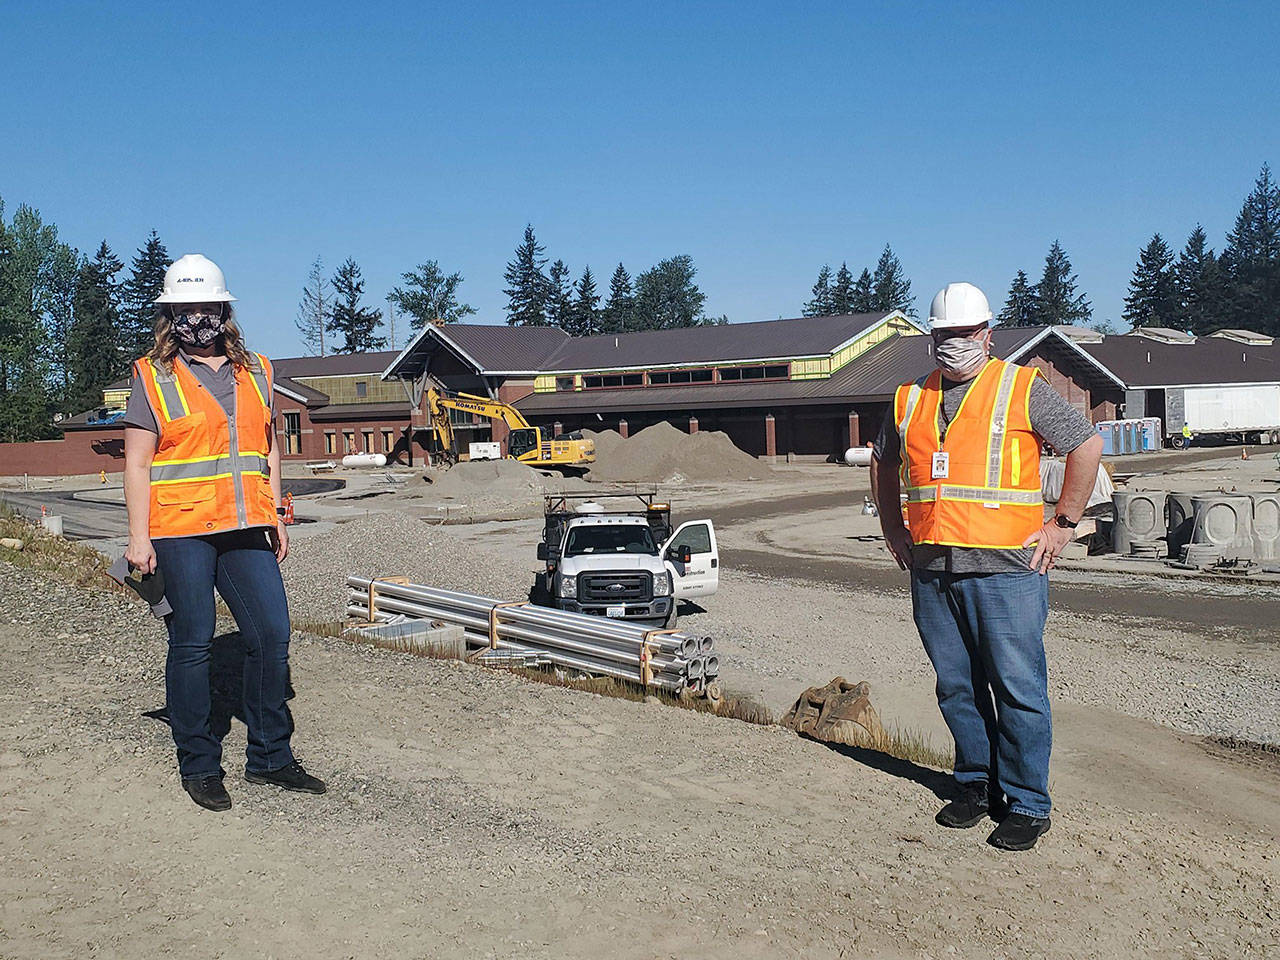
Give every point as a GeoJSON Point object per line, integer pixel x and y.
{"type": "Point", "coordinates": [840, 712]}
{"type": "Point", "coordinates": [666, 659]}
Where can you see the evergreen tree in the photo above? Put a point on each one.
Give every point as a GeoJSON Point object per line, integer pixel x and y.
{"type": "Point", "coordinates": [584, 313]}
{"type": "Point", "coordinates": [138, 296]}
{"type": "Point", "coordinates": [667, 297]}
{"type": "Point", "coordinates": [315, 309]}
{"type": "Point", "coordinates": [26, 246]}
{"type": "Point", "coordinates": [1200, 286]}
{"type": "Point", "coordinates": [95, 355]}
{"type": "Point", "coordinates": [430, 296]}
{"type": "Point", "coordinates": [354, 322]}
{"type": "Point", "coordinates": [891, 290]}
{"type": "Point", "coordinates": [63, 269]}
{"type": "Point", "coordinates": [863, 293]}
{"type": "Point", "coordinates": [620, 305]}
{"type": "Point", "coordinates": [820, 305]}
{"type": "Point", "coordinates": [1252, 259]}
{"type": "Point", "coordinates": [559, 289]}
{"type": "Point", "coordinates": [1056, 297]}
{"type": "Point", "coordinates": [842, 292]}
{"type": "Point", "coordinates": [1020, 307]}
{"type": "Point", "coordinates": [527, 287]}
{"type": "Point", "coordinates": [1152, 300]}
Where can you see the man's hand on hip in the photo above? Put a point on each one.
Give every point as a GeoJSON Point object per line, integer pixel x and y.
{"type": "Point", "coordinates": [1050, 540]}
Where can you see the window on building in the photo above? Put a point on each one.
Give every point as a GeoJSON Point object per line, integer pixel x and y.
{"type": "Point", "coordinates": [330, 442]}
{"type": "Point", "coordinates": [349, 441]}
{"type": "Point", "coordinates": [293, 433]}
{"type": "Point", "coordinates": [564, 383]}
{"type": "Point", "coordinates": [607, 380]}
{"type": "Point", "coordinates": [367, 437]}
{"type": "Point", "coordinates": [388, 441]}
{"type": "Point", "coordinates": [772, 371]}
{"type": "Point", "coordinates": [362, 388]}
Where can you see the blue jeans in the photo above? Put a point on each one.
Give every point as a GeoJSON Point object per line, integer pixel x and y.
{"type": "Point", "coordinates": [984, 634]}
{"type": "Point", "coordinates": [243, 568]}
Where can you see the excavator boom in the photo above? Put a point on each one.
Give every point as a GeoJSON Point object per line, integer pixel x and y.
{"type": "Point", "coordinates": [525, 442]}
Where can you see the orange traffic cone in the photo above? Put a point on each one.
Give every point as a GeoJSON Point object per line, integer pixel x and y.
{"type": "Point", "coordinates": [1244, 453]}
{"type": "Point", "coordinates": [288, 509]}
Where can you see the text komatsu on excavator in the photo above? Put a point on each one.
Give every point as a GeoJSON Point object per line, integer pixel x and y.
{"type": "Point", "coordinates": [526, 443]}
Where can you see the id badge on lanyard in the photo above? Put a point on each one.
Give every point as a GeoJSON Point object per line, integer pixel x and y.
{"type": "Point", "coordinates": [941, 465]}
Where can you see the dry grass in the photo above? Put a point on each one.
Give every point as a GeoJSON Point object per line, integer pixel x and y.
{"type": "Point", "coordinates": [56, 556]}
{"type": "Point", "coordinates": [915, 746]}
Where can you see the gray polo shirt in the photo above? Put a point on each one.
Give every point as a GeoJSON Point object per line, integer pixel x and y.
{"type": "Point", "coordinates": [220, 383]}
{"type": "Point", "coordinates": [1053, 420]}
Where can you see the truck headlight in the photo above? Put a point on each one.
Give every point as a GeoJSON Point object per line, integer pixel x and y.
{"type": "Point", "coordinates": [568, 586]}
{"type": "Point", "coordinates": [661, 584]}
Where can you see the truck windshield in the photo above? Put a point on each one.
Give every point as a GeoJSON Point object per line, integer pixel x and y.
{"type": "Point", "coordinates": [632, 538]}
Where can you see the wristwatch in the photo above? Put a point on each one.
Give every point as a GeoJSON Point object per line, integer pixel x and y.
{"type": "Point", "coordinates": [1066, 524]}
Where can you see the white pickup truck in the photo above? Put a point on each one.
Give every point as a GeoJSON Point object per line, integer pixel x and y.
{"type": "Point", "coordinates": [625, 563]}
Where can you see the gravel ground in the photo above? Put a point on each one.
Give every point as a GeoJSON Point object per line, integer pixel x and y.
{"type": "Point", "coordinates": [776, 637]}
{"type": "Point", "coordinates": [474, 814]}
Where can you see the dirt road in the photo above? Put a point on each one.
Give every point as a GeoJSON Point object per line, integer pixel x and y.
{"type": "Point", "coordinates": [475, 815]}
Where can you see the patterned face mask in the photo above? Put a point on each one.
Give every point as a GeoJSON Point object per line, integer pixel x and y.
{"type": "Point", "coordinates": [198, 329]}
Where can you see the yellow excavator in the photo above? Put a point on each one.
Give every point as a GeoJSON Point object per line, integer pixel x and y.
{"type": "Point", "coordinates": [526, 443]}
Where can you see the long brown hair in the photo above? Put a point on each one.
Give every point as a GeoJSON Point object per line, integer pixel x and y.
{"type": "Point", "coordinates": [231, 341]}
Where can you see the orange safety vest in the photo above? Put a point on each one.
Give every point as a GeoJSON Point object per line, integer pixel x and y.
{"type": "Point", "coordinates": [980, 486]}
{"type": "Point", "coordinates": [210, 472]}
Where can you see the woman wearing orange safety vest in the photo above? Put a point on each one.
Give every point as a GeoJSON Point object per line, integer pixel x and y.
{"type": "Point", "coordinates": [202, 484]}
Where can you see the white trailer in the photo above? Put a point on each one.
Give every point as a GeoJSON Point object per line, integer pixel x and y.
{"type": "Point", "coordinates": [1250, 411]}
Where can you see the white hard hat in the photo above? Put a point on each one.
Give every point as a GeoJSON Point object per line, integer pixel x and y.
{"type": "Point", "coordinates": [959, 305]}
{"type": "Point", "coordinates": [194, 278]}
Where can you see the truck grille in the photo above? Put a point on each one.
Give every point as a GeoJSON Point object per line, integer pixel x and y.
{"type": "Point", "coordinates": [615, 587]}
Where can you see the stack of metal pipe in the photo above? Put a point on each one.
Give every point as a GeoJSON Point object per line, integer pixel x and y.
{"type": "Point", "coordinates": [517, 634]}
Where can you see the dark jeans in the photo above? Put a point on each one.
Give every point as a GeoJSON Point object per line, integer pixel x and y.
{"type": "Point", "coordinates": [243, 568]}
{"type": "Point", "coordinates": [985, 636]}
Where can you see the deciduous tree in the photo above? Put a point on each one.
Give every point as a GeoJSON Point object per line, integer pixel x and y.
{"type": "Point", "coordinates": [430, 296]}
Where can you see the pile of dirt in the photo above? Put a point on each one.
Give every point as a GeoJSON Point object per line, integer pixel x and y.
{"type": "Point", "coordinates": [606, 441]}
{"type": "Point", "coordinates": [489, 479]}
{"type": "Point", "coordinates": [490, 489]}
{"type": "Point", "coordinates": [665, 454]}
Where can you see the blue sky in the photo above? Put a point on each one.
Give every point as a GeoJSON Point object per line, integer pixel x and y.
{"type": "Point", "coordinates": [763, 140]}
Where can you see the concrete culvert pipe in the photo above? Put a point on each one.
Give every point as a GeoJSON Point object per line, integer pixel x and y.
{"type": "Point", "coordinates": [1139, 516]}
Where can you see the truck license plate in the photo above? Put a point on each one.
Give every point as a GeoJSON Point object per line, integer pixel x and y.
{"type": "Point", "coordinates": [615, 612]}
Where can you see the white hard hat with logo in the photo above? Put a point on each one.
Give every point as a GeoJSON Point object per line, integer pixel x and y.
{"type": "Point", "coordinates": [959, 305]}
{"type": "Point", "coordinates": [194, 278]}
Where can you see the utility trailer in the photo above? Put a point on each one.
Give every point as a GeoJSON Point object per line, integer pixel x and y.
{"type": "Point", "coordinates": [617, 556]}
{"type": "Point", "coordinates": [1250, 412]}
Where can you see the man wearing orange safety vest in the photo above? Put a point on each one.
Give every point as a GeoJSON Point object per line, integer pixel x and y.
{"type": "Point", "coordinates": [962, 446]}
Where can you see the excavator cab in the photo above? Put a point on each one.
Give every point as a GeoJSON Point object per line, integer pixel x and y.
{"type": "Point", "coordinates": [522, 441]}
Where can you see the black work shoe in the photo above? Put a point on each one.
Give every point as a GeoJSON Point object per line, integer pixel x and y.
{"type": "Point", "coordinates": [291, 777]}
{"type": "Point", "coordinates": [968, 809]}
{"type": "Point", "coordinates": [208, 792]}
{"type": "Point", "coordinates": [1017, 831]}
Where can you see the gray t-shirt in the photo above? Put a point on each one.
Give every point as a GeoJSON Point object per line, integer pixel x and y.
{"type": "Point", "coordinates": [1053, 420]}
{"type": "Point", "coordinates": [220, 383]}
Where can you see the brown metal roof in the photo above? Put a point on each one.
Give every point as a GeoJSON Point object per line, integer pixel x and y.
{"type": "Point", "coordinates": [361, 411]}
{"type": "Point", "coordinates": [310, 395]}
{"type": "Point", "coordinates": [730, 342]}
{"type": "Point", "coordinates": [1140, 361]}
{"type": "Point", "coordinates": [510, 350]}
{"type": "Point", "coordinates": [334, 365]}
{"type": "Point", "coordinates": [871, 377]}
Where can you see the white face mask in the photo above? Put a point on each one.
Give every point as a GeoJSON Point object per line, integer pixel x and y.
{"type": "Point", "coordinates": [958, 357]}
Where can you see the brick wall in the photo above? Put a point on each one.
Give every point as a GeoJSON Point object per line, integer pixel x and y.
{"type": "Point", "coordinates": [80, 451]}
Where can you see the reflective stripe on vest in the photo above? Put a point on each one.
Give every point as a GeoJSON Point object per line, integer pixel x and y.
{"type": "Point", "coordinates": [990, 496]}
